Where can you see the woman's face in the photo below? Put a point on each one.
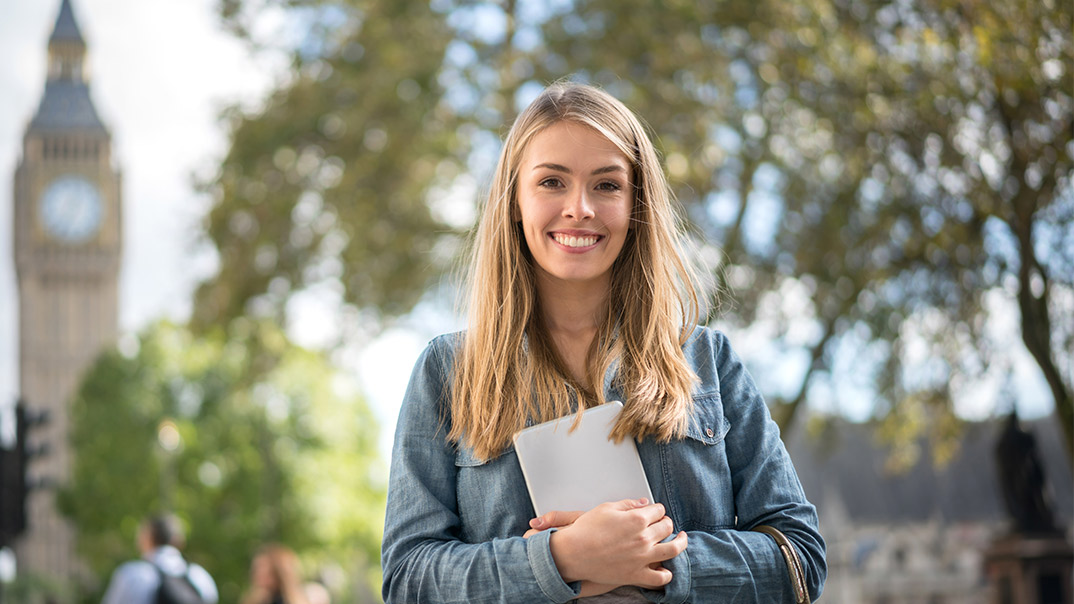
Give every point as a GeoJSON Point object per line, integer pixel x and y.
{"type": "Point", "coordinates": [574, 201]}
{"type": "Point", "coordinates": [261, 573]}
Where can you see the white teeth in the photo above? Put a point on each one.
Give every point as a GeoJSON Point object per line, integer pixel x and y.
{"type": "Point", "coordinates": [571, 241]}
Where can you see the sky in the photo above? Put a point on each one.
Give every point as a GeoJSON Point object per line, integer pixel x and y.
{"type": "Point", "coordinates": [160, 72]}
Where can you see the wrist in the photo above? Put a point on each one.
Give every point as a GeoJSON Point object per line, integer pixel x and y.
{"type": "Point", "coordinates": [560, 544]}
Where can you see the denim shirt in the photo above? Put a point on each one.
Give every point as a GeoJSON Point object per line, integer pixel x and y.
{"type": "Point", "coordinates": [454, 524]}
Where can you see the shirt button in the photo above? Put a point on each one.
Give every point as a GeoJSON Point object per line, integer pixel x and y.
{"type": "Point", "coordinates": [709, 432]}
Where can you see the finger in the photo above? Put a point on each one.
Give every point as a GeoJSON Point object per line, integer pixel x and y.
{"type": "Point", "coordinates": [659, 530]}
{"type": "Point", "coordinates": [624, 505]}
{"type": "Point", "coordinates": [651, 513]}
{"type": "Point", "coordinates": [530, 533]}
{"type": "Point", "coordinates": [554, 519]}
{"type": "Point", "coordinates": [666, 551]}
{"type": "Point", "coordinates": [653, 578]}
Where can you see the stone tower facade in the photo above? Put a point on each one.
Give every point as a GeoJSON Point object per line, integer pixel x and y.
{"type": "Point", "coordinates": [67, 240]}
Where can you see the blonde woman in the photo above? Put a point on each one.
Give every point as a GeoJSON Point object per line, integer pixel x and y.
{"type": "Point", "coordinates": [578, 296]}
{"type": "Point", "coordinates": [275, 578]}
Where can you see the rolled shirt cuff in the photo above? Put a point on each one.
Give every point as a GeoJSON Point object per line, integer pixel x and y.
{"type": "Point", "coordinates": [539, 551]}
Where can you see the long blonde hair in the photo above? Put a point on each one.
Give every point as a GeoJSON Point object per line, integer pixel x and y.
{"type": "Point", "coordinates": [508, 370]}
{"type": "Point", "coordinates": [284, 575]}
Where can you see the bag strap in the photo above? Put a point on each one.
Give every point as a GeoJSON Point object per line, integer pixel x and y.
{"type": "Point", "coordinates": [160, 571]}
{"type": "Point", "coordinates": [794, 565]}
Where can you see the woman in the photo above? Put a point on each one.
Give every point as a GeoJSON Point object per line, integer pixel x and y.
{"type": "Point", "coordinates": [578, 297]}
{"type": "Point", "coordinates": [275, 578]}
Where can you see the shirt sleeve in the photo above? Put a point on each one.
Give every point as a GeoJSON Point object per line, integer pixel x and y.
{"type": "Point", "coordinates": [203, 582]}
{"type": "Point", "coordinates": [737, 564]}
{"type": "Point", "coordinates": [134, 581]}
{"type": "Point", "coordinates": [422, 556]}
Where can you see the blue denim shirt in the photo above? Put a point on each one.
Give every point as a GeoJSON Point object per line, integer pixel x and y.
{"type": "Point", "coordinates": [454, 525]}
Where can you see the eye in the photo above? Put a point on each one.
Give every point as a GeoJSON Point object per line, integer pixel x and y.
{"type": "Point", "coordinates": [552, 182]}
{"type": "Point", "coordinates": [609, 186]}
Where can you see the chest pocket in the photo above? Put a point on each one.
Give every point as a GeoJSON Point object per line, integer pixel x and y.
{"type": "Point", "coordinates": [491, 496]}
{"type": "Point", "coordinates": [696, 475]}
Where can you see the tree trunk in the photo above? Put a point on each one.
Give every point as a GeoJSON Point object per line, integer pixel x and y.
{"type": "Point", "coordinates": [1036, 324]}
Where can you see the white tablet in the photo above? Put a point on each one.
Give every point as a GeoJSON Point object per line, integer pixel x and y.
{"type": "Point", "coordinates": [577, 471]}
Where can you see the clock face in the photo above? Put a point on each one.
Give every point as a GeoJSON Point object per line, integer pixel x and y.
{"type": "Point", "coordinates": [71, 209]}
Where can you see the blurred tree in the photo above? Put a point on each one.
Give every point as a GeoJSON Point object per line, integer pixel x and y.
{"type": "Point", "coordinates": [248, 439]}
{"type": "Point", "coordinates": [881, 169]}
{"type": "Point", "coordinates": [880, 179]}
{"type": "Point", "coordinates": [326, 185]}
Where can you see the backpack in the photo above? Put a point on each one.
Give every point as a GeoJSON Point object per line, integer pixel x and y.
{"type": "Point", "coordinates": [177, 589]}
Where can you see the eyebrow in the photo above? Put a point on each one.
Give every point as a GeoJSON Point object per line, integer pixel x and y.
{"type": "Point", "coordinates": [566, 170]}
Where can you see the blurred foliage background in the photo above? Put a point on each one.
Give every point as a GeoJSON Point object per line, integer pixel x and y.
{"type": "Point", "coordinates": [247, 438]}
{"type": "Point", "coordinates": [877, 182]}
{"type": "Point", "coordinates": [862, 169]}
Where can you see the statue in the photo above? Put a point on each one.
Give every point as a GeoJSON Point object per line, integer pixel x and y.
{"type": "Point", "coordinates": [1021, 477]}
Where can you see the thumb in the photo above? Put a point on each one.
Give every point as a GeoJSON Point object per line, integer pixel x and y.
{"type": "Point", "coordinates": [624, 505]}
{"type": "Point", "coordinates": [630, 504]}
{"type": "Point", "coordinates": [554, 519]}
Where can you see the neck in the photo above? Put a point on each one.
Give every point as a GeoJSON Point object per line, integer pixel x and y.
{"type": "Point", "coordinates": [572, 314]}
{"type": "Point", "coordinates": [570, 307]}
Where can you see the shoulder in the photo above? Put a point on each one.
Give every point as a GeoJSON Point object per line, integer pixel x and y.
{"type": "Point", "coordinates": [203, 581]}
{"type": "Point", "coordinates": [439, 354]}
{"type": "Point", "coordinates": [722, 376]}
{"type": "Point", "coordinates": [429, 387]}
{"type": "Point", "coordinates": [137, 570]}
{"type": "Point", "coordinates": [437, 359]}
{"type": "Point", "coordinates": [704, 340]}
{"type": "Point", "coordinates": [199, 574]}
{"type": "Point", "coordinates": [709, 354]}
{"type": "Point", "coordinates": [132, 582]}
{"type": "Point", "coordinates": [446, 345]}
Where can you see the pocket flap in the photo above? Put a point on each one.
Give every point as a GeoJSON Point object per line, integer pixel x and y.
{"type": "Point", "coordinates": [708, 424]}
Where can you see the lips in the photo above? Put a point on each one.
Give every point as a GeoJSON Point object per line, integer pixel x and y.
{"type": "Point", "coordinates": [576, 241]}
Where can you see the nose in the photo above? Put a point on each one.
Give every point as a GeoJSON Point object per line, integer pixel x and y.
{"type": "Point", "coordinates": [578, 206]}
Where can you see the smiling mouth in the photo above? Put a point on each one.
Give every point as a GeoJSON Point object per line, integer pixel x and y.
{"type": "Point", "coordinates": [573, 241]}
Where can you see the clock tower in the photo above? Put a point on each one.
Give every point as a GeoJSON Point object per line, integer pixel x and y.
{"type": "Point", "coordinates": [67, 243]}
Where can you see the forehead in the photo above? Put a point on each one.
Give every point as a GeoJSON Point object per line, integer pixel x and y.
{"type": "Point", "coordinates": [570, 143]}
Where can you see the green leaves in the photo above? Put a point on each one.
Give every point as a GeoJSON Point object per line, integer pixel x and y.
{"type": "Point", "coordinates": [327, 184]}
{"type": "Point", "coordinates": [899, 162]}
{"type": "Point", "coordinates": [247, 438]}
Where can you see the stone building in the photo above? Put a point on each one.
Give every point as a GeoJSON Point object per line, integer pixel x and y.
{"type": "Point", "coordinates": [919, 537]}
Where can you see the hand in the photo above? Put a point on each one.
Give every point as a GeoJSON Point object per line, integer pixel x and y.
{"type": "Point", "coordinates": [559, 520]}
{"type": "Point", "coordinates": [556, 519]}
{"type": "Point", "coordinates": [551, 520]}
{"type": "Point", "coordinates": [616, 543]}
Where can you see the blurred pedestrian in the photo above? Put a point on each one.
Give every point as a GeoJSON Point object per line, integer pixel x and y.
{"type": "Point", "coordinates": [159, 539]}
{"type": "Point", "coordinates": [317, 593]}
{"type": "Point", "coordinates": [275, 578]}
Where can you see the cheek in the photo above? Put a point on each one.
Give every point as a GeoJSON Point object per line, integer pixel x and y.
{"type": "Point", "coordinates": [532, 219]}
{"type": "Point", "coordinates": [622, 219]}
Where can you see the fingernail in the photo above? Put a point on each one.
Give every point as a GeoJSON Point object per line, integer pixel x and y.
{"type": "Point", "coordinates": [643, 501]}
{"type": "Point", "coordinates": [536, 523]}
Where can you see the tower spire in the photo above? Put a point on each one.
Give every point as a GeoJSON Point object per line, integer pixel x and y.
{"type": "Point", "coordinates": [66, 105]}
{"type": "Point", "coordinates": [66, 28]}
{"type": "Point", "coordinates": [66, 47]}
